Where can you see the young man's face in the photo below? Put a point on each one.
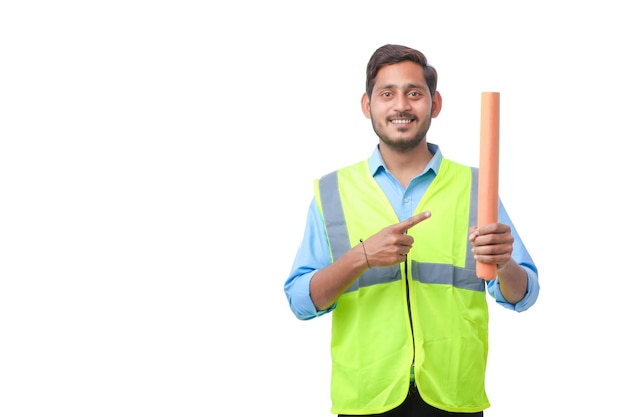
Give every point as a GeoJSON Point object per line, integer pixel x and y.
{"type": "Point", "coordinates": [401, 106]}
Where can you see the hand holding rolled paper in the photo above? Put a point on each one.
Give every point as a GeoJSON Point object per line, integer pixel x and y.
{"type": "Point", "coordinates": [488, 171]}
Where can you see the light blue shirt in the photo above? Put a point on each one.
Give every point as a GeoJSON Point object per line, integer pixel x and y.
{"type": "Point", "coordinates": [314, 253]}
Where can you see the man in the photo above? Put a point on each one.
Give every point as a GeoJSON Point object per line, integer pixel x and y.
{"type": "Point", "coordinates": [390, 247]}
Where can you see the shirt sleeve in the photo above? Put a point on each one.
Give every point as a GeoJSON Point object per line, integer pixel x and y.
{"type": "Point", "coordinates": [523, 259]}
{"type": "Point", "coordinates": [312, 255]}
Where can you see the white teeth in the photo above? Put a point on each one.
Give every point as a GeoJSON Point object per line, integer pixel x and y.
{"type": "Point", "coordinates": [401, 121]}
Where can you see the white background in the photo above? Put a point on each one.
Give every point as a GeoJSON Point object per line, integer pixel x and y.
{"type": "Point", "coordinates": [156, 164]}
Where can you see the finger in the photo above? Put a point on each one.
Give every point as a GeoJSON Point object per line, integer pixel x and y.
{"type": "Point", "coordinates": [413, 220]}
{"type": "Point", "coordinates": [476, 231]}
{"type": "Point", "coordinates": [492, 228]}
{"type": "Point", "coordinates": [473, 233]}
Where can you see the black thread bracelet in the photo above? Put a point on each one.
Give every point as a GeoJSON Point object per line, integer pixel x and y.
{"type": "Point", "coordinates": [365, 253]}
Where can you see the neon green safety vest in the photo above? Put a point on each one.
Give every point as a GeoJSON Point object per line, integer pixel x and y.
{"type": "Point", "coordinates": [430, 311]}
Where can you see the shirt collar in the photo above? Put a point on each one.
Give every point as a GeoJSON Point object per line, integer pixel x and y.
{"type": "Point", "coordinates": [377, 164]}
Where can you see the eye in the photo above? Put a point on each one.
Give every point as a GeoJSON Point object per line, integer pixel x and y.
{"type": "Point", "coordinates": [386, 94]}
{"type": "Point", "coordinates": [414, 94]}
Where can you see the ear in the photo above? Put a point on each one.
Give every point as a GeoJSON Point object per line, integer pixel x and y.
{"type": "Point", "coordinates": [365, 106]}
{"type": "Point", "coordinates": [437, 103]}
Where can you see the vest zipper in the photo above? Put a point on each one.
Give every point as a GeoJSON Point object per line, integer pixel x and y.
{"type": "Point", "coordinates": [408, 303]}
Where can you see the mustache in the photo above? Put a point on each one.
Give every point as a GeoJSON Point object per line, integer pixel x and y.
{"type": "Point", "coordinates": [405, 115]}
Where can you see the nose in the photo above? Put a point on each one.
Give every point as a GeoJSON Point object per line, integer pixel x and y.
{"type": "Point", "coordinates": [402, 103]}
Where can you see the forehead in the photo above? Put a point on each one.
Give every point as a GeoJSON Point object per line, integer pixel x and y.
{"type": "Point", "coordinates": [405, 74]}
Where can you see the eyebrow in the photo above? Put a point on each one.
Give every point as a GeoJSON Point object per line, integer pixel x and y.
{"type": "Point", "coordinates": [408, 86]}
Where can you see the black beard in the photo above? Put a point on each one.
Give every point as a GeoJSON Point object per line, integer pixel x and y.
{"type": "Point", "coordinates": [406, 144]}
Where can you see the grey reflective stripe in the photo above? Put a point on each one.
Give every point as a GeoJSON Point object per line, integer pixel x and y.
{"type": "Point", "coordinates": [376, 275]}
{"type": "Point", "coordinates": [470, 262]}
{"type": "Point", "coordinates": [339, 241]}
{"type": "Point", "coordinates": [447, 274]}
{"type": "Point", "coordinates": [332, 210]}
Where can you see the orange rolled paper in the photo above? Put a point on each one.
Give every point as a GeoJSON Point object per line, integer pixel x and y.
{"type": "Point", "coordinates": [488, 171]}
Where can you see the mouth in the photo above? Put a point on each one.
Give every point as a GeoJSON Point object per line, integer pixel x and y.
{"type": "Point", "coordinates": [402, 119]}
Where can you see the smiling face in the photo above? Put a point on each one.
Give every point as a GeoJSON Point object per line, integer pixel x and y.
{"type": "Point", "coordinates": [401, 106]}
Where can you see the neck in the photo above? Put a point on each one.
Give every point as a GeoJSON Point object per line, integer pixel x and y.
{"type": "Point", "coordinates": [406, 164]}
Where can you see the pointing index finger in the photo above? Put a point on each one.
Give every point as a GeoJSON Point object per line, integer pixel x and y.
{"type": "Point", "coordinates": [413, 220]}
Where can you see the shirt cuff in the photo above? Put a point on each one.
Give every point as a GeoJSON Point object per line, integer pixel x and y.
{"type": "Point", "coordinates": [525, 303]}
{"type": "Point", "coordinates": [301, 303]}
